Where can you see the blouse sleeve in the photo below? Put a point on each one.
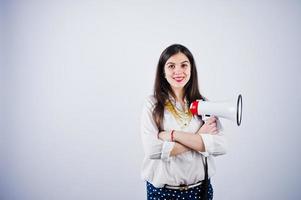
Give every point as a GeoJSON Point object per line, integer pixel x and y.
{"type": "Point", "coordinates": [215, 144]}
{"type": "Point", "coordinates": [154, 148]}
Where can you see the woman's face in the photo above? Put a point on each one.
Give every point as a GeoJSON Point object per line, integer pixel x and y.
{"type": "Point", "coordinates": [177, 70]}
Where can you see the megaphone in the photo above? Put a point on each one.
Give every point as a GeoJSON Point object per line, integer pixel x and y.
{"type": "Point", "coordinates": [225, 109]}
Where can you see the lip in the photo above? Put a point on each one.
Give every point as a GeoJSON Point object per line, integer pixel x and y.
{"type": "Point", "coordinates": [179, 79]}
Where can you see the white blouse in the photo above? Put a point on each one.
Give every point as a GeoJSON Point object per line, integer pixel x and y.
{"type": "Point", "coordinates": [159, 168]}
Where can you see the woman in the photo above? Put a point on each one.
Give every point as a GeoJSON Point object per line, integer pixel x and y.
{"type": "Point", "coordinates": [179, 147]}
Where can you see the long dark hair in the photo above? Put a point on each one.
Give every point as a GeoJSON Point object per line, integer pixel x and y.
{"type": "Point", "coordinates": [162, 89]}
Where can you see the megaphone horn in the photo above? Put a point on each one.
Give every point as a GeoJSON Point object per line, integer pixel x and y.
{"type": "Point", "coordinates": [226, 109]}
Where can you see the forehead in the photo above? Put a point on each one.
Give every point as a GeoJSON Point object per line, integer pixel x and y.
{"type": "Point", "coordinates": [177, 58]}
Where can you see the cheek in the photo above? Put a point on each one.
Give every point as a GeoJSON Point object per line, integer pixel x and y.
{"type": "Point", "coordinates": [167, 73]}
{"type": "Point", "coordinates": [188, 72]}
{"type": "Point", "coordinates": [188, 77]}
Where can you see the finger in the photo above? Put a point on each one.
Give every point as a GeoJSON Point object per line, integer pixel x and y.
{"type": "Point", "coordinates": [212, 124]}
{"type": "Point", "coordinates": [213, 129]}
{"type": "Point", "coordinates": [211, 120]}
{"type": "Point", "coordinates": [208, 122]}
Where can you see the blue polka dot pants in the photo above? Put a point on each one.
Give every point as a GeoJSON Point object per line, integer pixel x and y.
{"type": "Point", "coordinates": [154, 193]}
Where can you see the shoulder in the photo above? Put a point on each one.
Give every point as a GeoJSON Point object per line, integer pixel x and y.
{"type": "Point", "coordinates": [150, 101]}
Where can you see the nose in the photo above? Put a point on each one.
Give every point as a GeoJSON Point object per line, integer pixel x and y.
{"type": "Point", "coordinates": [178, 70]}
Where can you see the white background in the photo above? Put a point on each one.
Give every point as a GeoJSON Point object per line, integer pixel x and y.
{"type": "Point", "coordinates": [74, 75]}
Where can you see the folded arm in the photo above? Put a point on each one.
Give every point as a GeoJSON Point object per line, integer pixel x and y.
{"type": "Point", "coordinates": [206, 139]}
{"type": "Point", "coordinates": [154, 147]}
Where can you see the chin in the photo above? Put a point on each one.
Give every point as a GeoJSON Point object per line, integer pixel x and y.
{"type": "Point", "coordinates": [178, 86]}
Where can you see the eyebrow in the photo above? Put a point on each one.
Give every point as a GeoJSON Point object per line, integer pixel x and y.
{"type": "Point", "coordinates": [174, 63]}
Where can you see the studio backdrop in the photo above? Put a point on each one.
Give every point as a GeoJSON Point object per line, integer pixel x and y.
{"type": "Point", "coordinates": [74, 76]}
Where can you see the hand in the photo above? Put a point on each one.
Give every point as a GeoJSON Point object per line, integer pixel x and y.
{"type": "Point", "coordinates": [209, 127]}
{"type": "Point", "coordinates": [165, 135]}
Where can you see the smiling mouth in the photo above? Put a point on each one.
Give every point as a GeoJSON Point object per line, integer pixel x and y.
{"type": "Point", "coordinates": [179, 79]}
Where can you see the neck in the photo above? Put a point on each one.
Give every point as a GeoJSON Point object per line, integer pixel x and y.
{"type": "Point", "coordinates": [179, 92]}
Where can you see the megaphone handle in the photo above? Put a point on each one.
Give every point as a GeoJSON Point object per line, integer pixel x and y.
{"type": "Point", "coordinates": [205, 117]}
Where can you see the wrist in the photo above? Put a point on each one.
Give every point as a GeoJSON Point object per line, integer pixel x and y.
{"type": "Point", "coordinates": [174, 137]}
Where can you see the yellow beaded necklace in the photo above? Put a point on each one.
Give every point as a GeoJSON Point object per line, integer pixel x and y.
{"type": "Point", "coordinates": [183, 118]}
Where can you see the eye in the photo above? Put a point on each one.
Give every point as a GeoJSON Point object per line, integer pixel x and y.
{"type": "Point", "coordinates": [171, 66]}
{"type": "Point", "coordinates": [184, 65]}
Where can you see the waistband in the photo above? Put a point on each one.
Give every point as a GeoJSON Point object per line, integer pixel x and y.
{"type": "Point", "coordinates": [183, 187]}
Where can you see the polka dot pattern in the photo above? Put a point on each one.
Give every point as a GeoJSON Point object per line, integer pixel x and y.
{"type": "Point", "coordinates": [154, 193]}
